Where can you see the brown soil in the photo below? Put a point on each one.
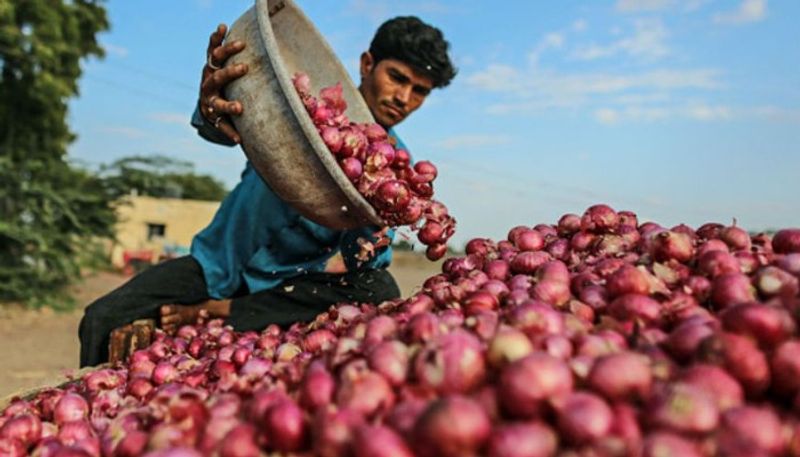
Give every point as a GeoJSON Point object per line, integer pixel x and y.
{"type": "Point", "coordinates": [40, 347]}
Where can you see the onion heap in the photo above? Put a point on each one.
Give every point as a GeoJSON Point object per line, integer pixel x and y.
{"type": "Point", "coordinates": [594, 336]}
{"type": "Point", "coordinates": [400, 190]}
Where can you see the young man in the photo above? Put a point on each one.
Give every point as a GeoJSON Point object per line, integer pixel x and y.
{"type": "Point", "coordinates": [259, 262]}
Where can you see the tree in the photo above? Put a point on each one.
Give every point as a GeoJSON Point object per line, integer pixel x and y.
{"type": "Point", "coordinates": [160, 176]}
{"type": "Point", "coordinates": [50, 211]}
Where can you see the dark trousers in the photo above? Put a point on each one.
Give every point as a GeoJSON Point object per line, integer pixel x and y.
{"type": "Point", "coordinates": [181, 281]}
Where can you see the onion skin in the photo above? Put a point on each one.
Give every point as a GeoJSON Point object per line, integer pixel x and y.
{"type": "Point", "coordinates": [620, 376]}
{"type": "Point", "coordinates": [527, 383]}
{"type": "Point", "coordinates": [786, 241]}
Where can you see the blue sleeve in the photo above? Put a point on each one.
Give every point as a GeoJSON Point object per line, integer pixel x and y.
{"type": "Point", "coordinates": [350, 248]}
{"type": "Point", "coordinates": [207, 130]}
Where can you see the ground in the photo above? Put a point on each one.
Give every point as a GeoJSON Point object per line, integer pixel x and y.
{"type": "Point", "coordinates": [41, 346]}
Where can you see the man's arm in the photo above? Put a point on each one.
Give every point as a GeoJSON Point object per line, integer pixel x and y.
{"type": "Point", "coordinates": [212, 114]}
{"type": "Point", "coordinates": [352, 248]}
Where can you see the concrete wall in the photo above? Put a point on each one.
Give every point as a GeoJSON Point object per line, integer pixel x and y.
{"type": "Point", "coordinates": [141, 218]}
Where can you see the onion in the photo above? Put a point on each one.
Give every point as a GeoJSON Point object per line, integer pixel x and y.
{"type": "Point", "coordinates": [26, 428]}
{"type": "Point", "coordinates": [785, 365]}
{"type": "Point", "coordinates": [786, 241]}
{"type": "Point", "coordinates": [71, 407]}
{"type": "Point", "coordinates": [390, 359]}
{"type": "Point", "coordinates": [751, 428]}
{"type": "Point", "coordinates": [508, 345]}
{"type": "Point", "coordinates": [635, 306]}
{"type": "Point", "coordinates": [775, 282]}
{"type": "Point", "coordinates": [683, 408]}
{"type": "Point", "coordinates": [583, 417]}
{"type": "Point", "coordinates": [665, 444]}
{"type": "Point", "coordinates": [528, 261]}
{"type": "Point", "coordinates": [716, 263]}
{"type": "Point", "coordinates": [452, 363]}
{"type": "Point", "coordinates": [452, 426]}
{"type": "Point", "coordinates": [352, 168]}
{"type": "Point", "coordinates": [333, 430]}
{"type": "Point", "coordinates": [536, 318]}
{"type": "Point", "coordinates": [740, 357]}
{"type": "Point", "coordinates": [600, 219]}
{"type": "Point", "coordinates": [716, 382]}
{"type": "Point", "coordinates": [621, 376]}
{"type": "Point", "coordinates": [522, 439]}
{"type": "Point", "coordinates": [528, 240]}
{"type": "Point", "coordinates": [240, 441]}
{"type": "Point", "coordinates": [769, 325]}
{"type": "Point", "coordinates": [526, 384]}
{"type": "Point", "coordinates": [736, 238]}
{"type": "Point", "coordinates": [367, 393]}
{"type": "Point", "coordinates": [627, 280]}
{"type": "Point", "coordinates": [285, 426]}
{"type": "Point", "coordinates": [673, 245]}
{"type": "Point", "coordinates": [379, 441]}
{"type": "Point", "coordinates": [317, 387]}
{"type": "Point", "coordinates": [731, 289]}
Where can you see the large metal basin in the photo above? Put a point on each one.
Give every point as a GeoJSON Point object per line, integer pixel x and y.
{"type": "Point", "coordinates": [278, 136]}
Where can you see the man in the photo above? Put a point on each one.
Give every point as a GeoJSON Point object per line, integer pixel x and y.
{"type": "Point", "coordinates": [259, 262]}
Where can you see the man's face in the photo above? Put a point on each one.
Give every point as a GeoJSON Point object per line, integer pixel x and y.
{"type": "Point", "coordinates": [392, 89]}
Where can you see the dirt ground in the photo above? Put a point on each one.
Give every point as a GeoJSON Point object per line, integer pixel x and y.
{"type": "Point", "coordinates": [40, 347]}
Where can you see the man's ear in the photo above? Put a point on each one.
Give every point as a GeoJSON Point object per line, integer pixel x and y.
{"type": "Point", "coordinates": [367, 64]}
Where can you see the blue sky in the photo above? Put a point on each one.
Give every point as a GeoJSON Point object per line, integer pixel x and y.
{"type": "Point", "coordinates": [684, 111]}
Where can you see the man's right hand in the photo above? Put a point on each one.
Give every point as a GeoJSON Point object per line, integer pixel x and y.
{"type": "Point", "coordinates": [214, 108]}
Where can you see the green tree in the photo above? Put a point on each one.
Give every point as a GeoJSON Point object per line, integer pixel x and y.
{"type": "Point", "coordinates": [50, 211]}
{"type": "Point", "coordinates": [160, 176]}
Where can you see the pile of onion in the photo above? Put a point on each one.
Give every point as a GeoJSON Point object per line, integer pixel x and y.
{"type": "Point", "coordinates": [597, 335]}
{"type": "Point", "coordinates": [400, 190]}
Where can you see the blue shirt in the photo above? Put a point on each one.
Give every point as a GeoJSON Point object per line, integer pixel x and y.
{"type": "Point", "coordinates": [258, 240]}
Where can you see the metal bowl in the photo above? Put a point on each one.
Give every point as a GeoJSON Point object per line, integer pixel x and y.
{"type": "Point", "coordinates": [277, 134]}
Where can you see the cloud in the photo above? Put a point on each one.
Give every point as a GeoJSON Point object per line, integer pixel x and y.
{"type": "Point", "coordinates": [473, 141]}
{"type": "Point", "coordinates": [553, 40]}
{"type": "Point", "coordinates": [777, 114]}
{"type": "Point", "coordinates": [579, 25]}
{"type": "Point", "coordinates": [115, 50]}
{"type": "Point", "coordinates": [640, 6]}
{"type": "Point", "coordinates": [748, 11]}
{"type": "Point", "coordinates": [648, 41]}
{"type": "Point", "coordinates": [377, 11]}
{"type": "Point", "coordinates": [697, 111]}
{"type": "Point", "coordinates": [128, 132]}
{"type": "Point", "coordinates": [170, 118]}
{"type": "Point", "coordinates": [635, 6]}
{"type": "Point", "coordinates": [607, 116]}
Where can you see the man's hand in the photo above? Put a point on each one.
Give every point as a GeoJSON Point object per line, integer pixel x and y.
{"type": "Point", "coordinates": [215, 77]}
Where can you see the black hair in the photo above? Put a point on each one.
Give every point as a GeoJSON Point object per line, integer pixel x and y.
{"type": "Point", "coordinates": [409, 40]}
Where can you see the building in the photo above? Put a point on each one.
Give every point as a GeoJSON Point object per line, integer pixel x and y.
{"type": "Point", "coordinates": [151, 228]}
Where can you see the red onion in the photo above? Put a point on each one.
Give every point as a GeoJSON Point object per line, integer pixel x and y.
{"type": "Point", "coordinates": [317, 387]}
{"type": "Point", "coordinates": [71, 407]}
{"type": "Point", "coordinates": [528, 240]}
{"type": "Point", "coordinates": [769, 325]}
{"type": "Point", "coordinates": [773, 281]}
{"type": "Point", "coordinates": [600, 219]}
{"type": "Point", "coordinates": [716, 382]}
{"type": "Point", "coordinates": [332, 432]}
{"type": "Point", "coordinates": [785, 365]}
{"type": "Point", "coordinates": [683, 408]}
{"type": "Point", "coordinates": [452, 363]}
{"type": "Point", "coordinates": [753, 429]}
{"type": "Point", "coordinates": [583, 417]}
{"type": "Point", "coordinates": [635, 306]}
{"type": "Point", "coordinates": [285, 426]}
{"type": "Point", "coordinates": [26, 428]}
{"type": "Point", "coordinates": [390, 359]}
{"type": "Point", "coordinates": [735, 237]}
{"type": "Point", "coordinates": [741, 358]}
{"type": "Point", "coordinates": [620, 376]}
{"type": "Point", "coordinates": [522, 439]}
{"type": "Point", "coordinates": [527, 383]}
{"type": "Point", "coordinates": [508, 345]}
{"type": "Point", "coordinates": [731, 289]}
{"type": "Point", "coordinates": [240, 441]}
{"type": "Point", "coordinates": [368, 393]}
{"type": "Point", "coordinates": [786, 241]}
{"type": "Point", "coordinates": [452, 426]}
{"type": "Point", "coordinates": [673, 245]}
{"type": "Point", "coordinates": [528, 261]}
{"type": "Point", "coordinates": [379, 441]}
{"type": "Point", "coordinates": [627, 280]}
{"type": "Point", "coordinates": [666, 444]}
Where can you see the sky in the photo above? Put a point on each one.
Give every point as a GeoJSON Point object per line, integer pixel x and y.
{"type": "Point", "coordinates": [683, 111]}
